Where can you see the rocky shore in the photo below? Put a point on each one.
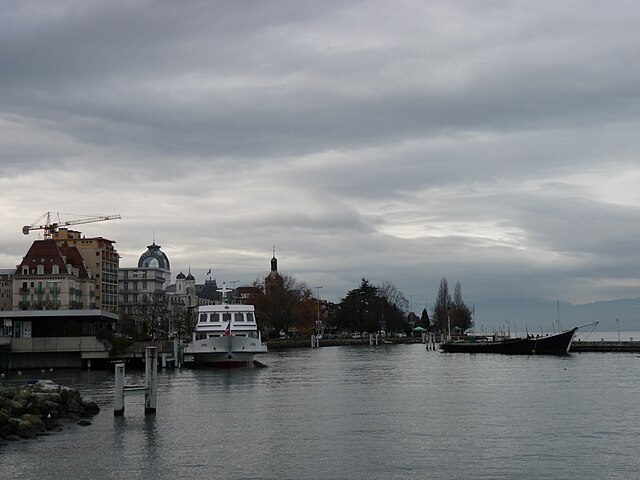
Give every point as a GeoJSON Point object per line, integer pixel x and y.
{"type": "Point", "coordinates": [31, 410]}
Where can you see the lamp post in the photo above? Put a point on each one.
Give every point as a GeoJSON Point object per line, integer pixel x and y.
{"type": "Point", "coordinates": [234, 289]}
{"type": "Point", "coordinates": [318, 322]}
{"type": "Point", "coordinates": [618, 322]}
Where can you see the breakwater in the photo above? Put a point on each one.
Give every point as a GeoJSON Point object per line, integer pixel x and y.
{"type": "Point", "coordinates": [30, 410]}
{"type": "Point", "coordinates": [606, 346]}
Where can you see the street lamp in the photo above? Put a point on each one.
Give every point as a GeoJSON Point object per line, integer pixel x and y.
{"type": "Point", "coordinates": [318, 322]}
{"type": "Point", "coordinates": [234, 290]}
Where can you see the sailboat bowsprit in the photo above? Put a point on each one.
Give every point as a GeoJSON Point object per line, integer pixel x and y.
{"type": "Point", "coordinates": [557, 344]}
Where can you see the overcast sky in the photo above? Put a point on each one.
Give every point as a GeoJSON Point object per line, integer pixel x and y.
{"type": "Point", "coordinates": [493, 143]}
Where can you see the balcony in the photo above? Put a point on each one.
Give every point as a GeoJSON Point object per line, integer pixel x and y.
{"type": "Point", "coordinates": [24, 290]}
{"type": "Point", "coordinates": [24, 305]}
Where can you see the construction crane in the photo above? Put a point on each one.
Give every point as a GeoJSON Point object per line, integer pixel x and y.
{"type": "Point", "coordinates": [51, 227]}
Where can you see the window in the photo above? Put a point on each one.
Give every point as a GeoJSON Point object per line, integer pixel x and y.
{"type": "Point", "coordinates": [226, 317]}
{"type": "Point", "coordinates": [40, 270]}
{"type": "Point", "coordinates": [250, 317]}
{"type": "Point", "coordinates": [55, 269]}
{"type": "Point", "coordinates": [25, 270]}
{"type": "Point", "coordinates": [238, 317]}
{"type": "Point", "coordinates": [203, 317]}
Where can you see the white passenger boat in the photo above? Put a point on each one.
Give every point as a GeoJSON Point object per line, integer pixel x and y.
{"type": "Point", "coordinates": [225, 335]}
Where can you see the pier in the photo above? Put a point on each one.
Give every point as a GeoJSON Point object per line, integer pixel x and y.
{"type": "Point", "coordinates": [606, 346]}
{"type": "Point", "coordinates": [148, 389]}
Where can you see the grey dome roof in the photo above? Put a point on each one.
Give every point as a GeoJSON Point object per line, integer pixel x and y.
{"type": "Point", "coordinates": [180, 276]}
{"type": "Point", "coordinates": [154, 258]}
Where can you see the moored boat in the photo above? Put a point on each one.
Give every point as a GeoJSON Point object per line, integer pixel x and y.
{"type": "Point", "coordinates": [225, 335]}
{"type": "Point", "coordinates": [557, 344]}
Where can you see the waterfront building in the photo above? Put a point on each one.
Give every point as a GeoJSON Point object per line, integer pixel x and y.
{"type": "Point", "coordinates": [53, 277]}
{"type": "Point", "coordinates": [102, 259]}
{"type": "Point", "coordinates": [6, 288]}
{"type": "Point", "coordinates": [151, 276]}
{"type": "Point", "coordinates": [54, 320]}
{"type": "Point", "coordinates": [183, 292]}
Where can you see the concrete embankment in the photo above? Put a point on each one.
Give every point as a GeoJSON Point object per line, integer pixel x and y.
{"type": "Point", "coordinates": [603, 346]}
{"type": "Point", "coordinates": [284, 343]}
{"type": "Point", "coordinates": [30, 410]}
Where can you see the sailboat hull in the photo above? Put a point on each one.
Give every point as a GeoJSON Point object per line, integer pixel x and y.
{"type": "Point", "coordinates": [558, 344]}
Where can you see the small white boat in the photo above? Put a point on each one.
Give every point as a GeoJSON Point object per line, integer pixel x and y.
{"type": "Point", "coordinates": [225, 335]}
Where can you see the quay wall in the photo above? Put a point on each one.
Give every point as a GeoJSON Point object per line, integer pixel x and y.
{"type": "Point", "coordinates": [602, 346]}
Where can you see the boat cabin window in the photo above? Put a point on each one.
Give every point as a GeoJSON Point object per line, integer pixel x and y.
{"type": "Point", "coordinates": [226, 317]}
{"type": "Point", "coordinates": [238, 317]}
{"type": "Point", "coordinates": [203, 317]}
{"type": "Point", "coordinates": [200, 336]}
{"type": "Point", "coordinates": [213, 317]}
{"type": "Point", "coordinates": [250, 317]}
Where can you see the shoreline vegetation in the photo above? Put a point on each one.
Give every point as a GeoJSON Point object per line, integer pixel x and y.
{"type": "Point", "coordinates": [31, 410]}
{"type": "Point", "coordinates": [304, 342]}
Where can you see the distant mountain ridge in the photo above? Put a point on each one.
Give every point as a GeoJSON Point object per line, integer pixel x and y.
{"type": "Point", "coordinates": [533, 314]}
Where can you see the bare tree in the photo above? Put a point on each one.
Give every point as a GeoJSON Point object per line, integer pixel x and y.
{"type": "Point", "coordinates": [153, 314]}
{"type": "Point", "coordinates": [393, 296]}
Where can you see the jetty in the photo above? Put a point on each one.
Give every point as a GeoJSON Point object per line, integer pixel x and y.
{"type": "Point", "coordinates": [606, 346]}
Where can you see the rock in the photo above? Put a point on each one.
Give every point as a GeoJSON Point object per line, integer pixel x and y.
{"type": "Point", "coordinates": [90, 409]}
{"type": "Point", "coordinates": [33, 409]}
{"type": "Point", "coordinates": [23, 428]}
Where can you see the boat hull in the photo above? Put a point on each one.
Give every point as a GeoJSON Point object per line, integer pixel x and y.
{"type": "Point", "coordinates": [558, 344]}
{"type": "Point", "coordinates": [225, 351]}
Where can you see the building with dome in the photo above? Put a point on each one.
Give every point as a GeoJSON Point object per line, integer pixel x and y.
{"type": "Point", "coordinates": [152, 275]}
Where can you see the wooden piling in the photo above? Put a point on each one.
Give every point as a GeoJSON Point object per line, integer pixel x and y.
{"type": "Point", "coordinates": [151, 380]}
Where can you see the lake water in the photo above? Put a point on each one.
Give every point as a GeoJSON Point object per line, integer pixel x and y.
{"type": "Point", "coordinates": [386, 412]}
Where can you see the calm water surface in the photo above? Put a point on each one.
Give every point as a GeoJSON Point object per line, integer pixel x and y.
{"type": "Point", "coordinates": [389, 412]}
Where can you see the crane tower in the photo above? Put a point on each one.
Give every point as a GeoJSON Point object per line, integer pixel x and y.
{"type": "Point", "coordinates": [50, 226]}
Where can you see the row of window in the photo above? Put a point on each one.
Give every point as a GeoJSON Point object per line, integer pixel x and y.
{"type": "Point", "coordinates": [55, 270]}
{"type": "Point", "coordinates": [227, 317]}
{"type": "Point", "coordinates": [203, 336]}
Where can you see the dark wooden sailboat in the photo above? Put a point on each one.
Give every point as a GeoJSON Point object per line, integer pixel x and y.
{"type": "Point", "coordinates": [557, 344]}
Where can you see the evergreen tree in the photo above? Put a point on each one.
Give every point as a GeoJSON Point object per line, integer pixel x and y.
{"type": "Point", "coordinates": [424, 319]}
{"type": "Point", "coordinates": [441, 307]}
{"type": "Point", "coordinates": [360, 310]}
{"type": "Point", "coordinates": [460, 314]}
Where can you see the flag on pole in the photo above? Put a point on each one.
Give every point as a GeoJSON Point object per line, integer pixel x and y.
{"type": "Point", "coordinates": [209, 272]}
{"type": "Point", "coordinates": [227, 332]}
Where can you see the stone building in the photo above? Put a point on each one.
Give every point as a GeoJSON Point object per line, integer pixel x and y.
{"type": "Point", "coordinates": [152, 275]}
{"type": "Point", "coordinates": [102, 259]}
{"type": "Point", "coordinates": [6, 288]}
{"type": "Point", "coordinates": [53, 277]}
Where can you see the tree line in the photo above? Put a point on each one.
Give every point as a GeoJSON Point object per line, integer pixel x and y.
{"type": "Point", "coordinates": [284, 304]}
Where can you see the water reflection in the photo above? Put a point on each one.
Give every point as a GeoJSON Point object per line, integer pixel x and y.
{"type": "Point", "coordinates": [364, 412]}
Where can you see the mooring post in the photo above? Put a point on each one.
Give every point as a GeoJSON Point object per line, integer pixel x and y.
{"type": "Point", "coordinates": [151, 380]}
{"type": "Point", "coordinates": [313, 340]}
{"type": "Point", "coordinates": [376, 338]}
{"type": "Point", "coordinates": [371, 339]}
{"type": "Point", "coordinates": [175, 354]}
{"type": "Point", "coordinates": [118, 400]}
